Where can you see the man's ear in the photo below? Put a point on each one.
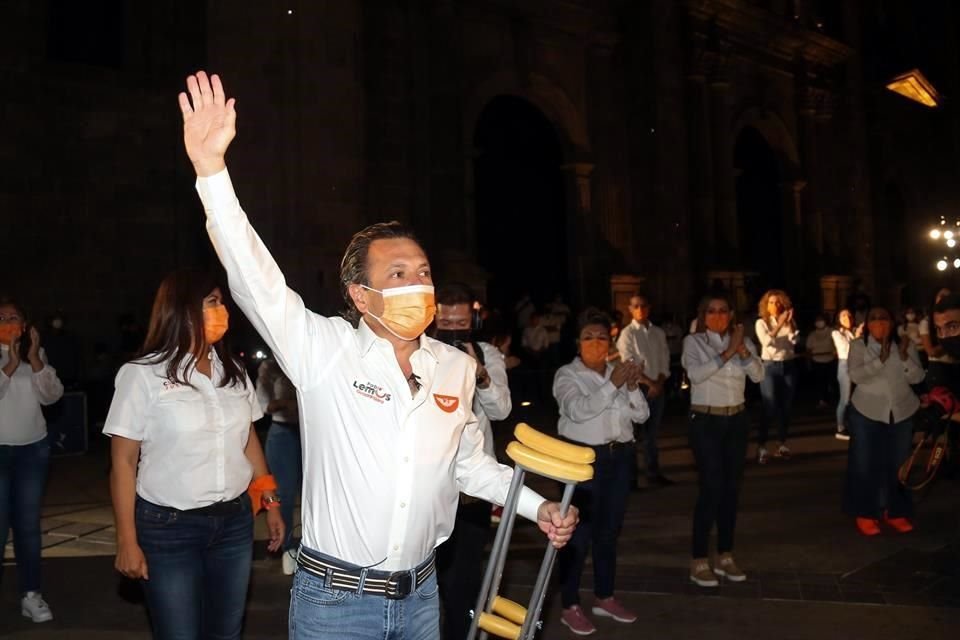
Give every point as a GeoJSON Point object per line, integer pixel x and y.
{"type": "Point", "coordinates": [359, 296]}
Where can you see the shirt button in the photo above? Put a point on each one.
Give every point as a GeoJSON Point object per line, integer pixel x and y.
{"type": "Point", "coordinates": [403, 505]}
{"type": "Point", "coordinates": [406, 458]}
{"type": "Point", "coordinates": [396, 547]}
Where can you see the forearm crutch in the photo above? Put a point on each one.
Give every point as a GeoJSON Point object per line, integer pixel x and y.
{"type": "Point", "coordinates": [533, 452]}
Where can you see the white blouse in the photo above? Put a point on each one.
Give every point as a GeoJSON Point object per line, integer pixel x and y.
{"type": "Point", "coordinates": [883, 388]}
{"type": "Point", "coordinates": [594, 411]}
{"type": "Point", "coordinates": [21, 396]}
{"type": "Point", "coordinates": [192, 439]}
{"type": "Point", "coordinates": [841, 340]}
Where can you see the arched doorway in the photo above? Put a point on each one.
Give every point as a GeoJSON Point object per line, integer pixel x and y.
{"type": "Point", "coordinates": [520, 203]}
{"type": "Point", "coordinates": [759, 208]}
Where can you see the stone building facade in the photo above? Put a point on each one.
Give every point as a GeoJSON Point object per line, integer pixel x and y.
{"type": "Point", "coordinates": [672, 144]}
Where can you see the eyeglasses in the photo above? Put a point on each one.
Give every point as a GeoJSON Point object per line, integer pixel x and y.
{"type": "Point", "coordinates": [10, 319]}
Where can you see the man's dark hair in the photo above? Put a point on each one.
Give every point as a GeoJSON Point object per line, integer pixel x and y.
{"type": "Point", "coordinates": [353, 266]}
{"type": "Point", "coordinates": [455, 293]}
{"type": "Point", "coordinates": [592, 315]}
{"type": "Point", "coordinates": [948, 303]}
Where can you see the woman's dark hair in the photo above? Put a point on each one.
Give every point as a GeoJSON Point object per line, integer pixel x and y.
{"type": "Point", "coordinates": [6, 301]}
{"type": "Point", "coordinates": [592, 315]}
{"type": "Point", "coordinates": [353, 266]}
{"type": "Point", "coordinates": [175, 334]}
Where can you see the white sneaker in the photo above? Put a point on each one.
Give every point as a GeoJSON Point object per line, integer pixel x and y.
{"type": "Point", "coordinates": [289, 562]}
{"type": "Point", "coordinates": [842, 433]}
{"type": "Point", "coordinates": [33, 606]}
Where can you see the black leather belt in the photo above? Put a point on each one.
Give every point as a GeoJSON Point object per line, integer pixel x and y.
{"type": "Point", "coordinates": [393, 585]}
{"type": "Point", "coordinates": [217, 510]}
{"type": "Point", "coordinates": [613, 446]}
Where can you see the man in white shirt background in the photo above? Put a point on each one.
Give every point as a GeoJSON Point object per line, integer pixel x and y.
{"type": "Point", "coordinates": [388, 436]}
{"type": "Point", "coordinates": [460, 558]}
{"type": "Point", "coordinates": [644, 343]}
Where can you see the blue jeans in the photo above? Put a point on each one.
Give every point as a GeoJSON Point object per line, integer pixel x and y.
{"type": "Point", "coordinates": [319, 612]}
{"type": "Point", "coordinates": [602, 503]}
{"type": "Point", "coordinates": [199, 569]}
{"type": "Point", "coordinates": [776, 390]}
{"type": "Point", "coordinates": [23, 476]}
{"type": "Point", "coordinates": [651, 429]}
{"type": "Point", "coordinates": [719, 446]}
{"type": "Point", "coordinates": [875, 454]}
{"type": "Point", "coordinates": [843, 380]}
{"type": "Point", "coordinates": [285, 460]}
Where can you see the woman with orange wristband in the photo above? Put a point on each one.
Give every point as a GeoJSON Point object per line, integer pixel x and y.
{"type": "Point", "coordinates": [184, 455]}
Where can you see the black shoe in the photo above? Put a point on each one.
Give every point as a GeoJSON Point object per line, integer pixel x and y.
{"type": "Point", "coordinates": [659, 480]}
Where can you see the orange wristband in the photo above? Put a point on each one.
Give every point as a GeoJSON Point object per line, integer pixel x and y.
{"type": "Point", "coordinates": [256, 489]}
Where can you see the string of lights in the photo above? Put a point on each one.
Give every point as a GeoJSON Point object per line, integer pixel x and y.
{"type": "Point", "coordinates": [949, 234]}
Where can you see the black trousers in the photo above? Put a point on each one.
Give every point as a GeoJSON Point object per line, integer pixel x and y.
{"type": "Point", "coordinates": [460, 565]}
{"type": "Point", "coordinates": [719, 446]}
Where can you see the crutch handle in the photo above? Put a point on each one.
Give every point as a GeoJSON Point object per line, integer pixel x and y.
{"type": "Point", "coordinates": [553, 447]}
{"type": "Point", "coordinates": [545, 465]}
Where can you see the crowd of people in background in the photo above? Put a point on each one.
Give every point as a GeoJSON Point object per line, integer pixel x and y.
{"type": "Point", "coordinates": [188, 472]}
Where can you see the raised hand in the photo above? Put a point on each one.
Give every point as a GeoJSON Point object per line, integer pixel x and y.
{"type": "Point", "coordinates": [13, 363]}
{"type": "Point", "coordinates": [209, 123]}
{"type": "Point", "coordinates": [904, 348]}
{"type": "Point", "coordinates": [33, 351]}
{"type": "Point", "coordinates": [620, 374]}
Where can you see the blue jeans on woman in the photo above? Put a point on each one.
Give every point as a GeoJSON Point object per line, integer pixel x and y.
{"type": "Point", "coordinates": [198, 567]}
{"type": "Point", "coordinates": [877, 450]}
{"type": "Point", "coordinates": [285, 459]}
{"type": "Point", "coordinates": [23, 476]}
{"type": "Point", "coordinates": [602, 503]}
{"type": "Point", "coordinates": [776, 390]}
{"type": "Point", "coordinates": [321, 612]}
{"type": "Point", "coordinates": [843, 380]}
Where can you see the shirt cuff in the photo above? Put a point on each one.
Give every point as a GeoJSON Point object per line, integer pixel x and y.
{"type": "Point", "coordinates": [529, 504]}
{"type": "Point", "coordinates": [217, 192]}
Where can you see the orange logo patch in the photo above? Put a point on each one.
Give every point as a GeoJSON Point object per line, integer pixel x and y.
{"type": "Point", "coordinates": [447, 403]}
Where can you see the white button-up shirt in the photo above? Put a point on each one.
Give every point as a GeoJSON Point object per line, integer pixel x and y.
{"type": "Point", "coordinates": [192, 439]}
{"type": "Point", "coordinates": [492, 403]}
{"type": "Point", "coordinates": [273, 385]}
{"type": "Point", "coordinates": [21, 395]}
{"type": "Point", "coordinates": [382, 470]}
{"type": "Point", "coordinates": [777, 347]}
{"type": "Point", "coordinates": [645, 343]}
{"type": "Point", "coordinates": [713, 382]}
{"type": "Point", "coordinates": [883, 388]}
{"type": "Point", "coordinates": [841, 340]}
{"type": "Point", "coordinates": [594, 411]}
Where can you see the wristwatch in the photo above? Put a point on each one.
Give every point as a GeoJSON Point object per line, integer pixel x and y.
{"type": "Point", "coordinates": [269, 502]}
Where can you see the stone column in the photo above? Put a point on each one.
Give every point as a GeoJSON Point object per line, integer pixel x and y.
{"type": "Point", "coordinates": [701, 165]}
{"type": "Point", "coordinates": [727, 233]}
{"type": "Point", "coordinates": [581, 233]}
{"type": "Point", "coordinates": [792, 238]}
{"type": "Point", "coordinates": [813, 220]}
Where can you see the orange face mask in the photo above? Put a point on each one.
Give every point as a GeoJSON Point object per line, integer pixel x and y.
{"type": "Point", "coordinates": [216, 321]}
{"type": "Point", "coordinates": [594, 351]}
{"type": "Point", "coordinates": [718, 322]}
{"type": "Point", "coordinates": [10, 331]}
{"type": "Point", "coordinates": [407, 311]}
{"type": "Point", "coordinates": [879, 329]}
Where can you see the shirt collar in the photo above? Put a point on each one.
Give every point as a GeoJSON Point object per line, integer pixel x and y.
{"type": "Point", "coordinates": [641, 325]}
{"type": "Point", "coordinates": [366, 338]}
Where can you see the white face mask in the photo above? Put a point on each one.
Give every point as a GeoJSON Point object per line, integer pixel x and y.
{"type": "Point", "coordinates": [820, 324]}
{"type": "Point", "coordinates": [407, 311]}
{"type": "Point", "coordinates": [911, 317]}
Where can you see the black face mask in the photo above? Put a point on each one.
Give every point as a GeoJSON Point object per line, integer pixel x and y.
{"type": "Point", "coordinates": [952, 346]}
{"type": "Point", "coordinates": [453, 336]}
